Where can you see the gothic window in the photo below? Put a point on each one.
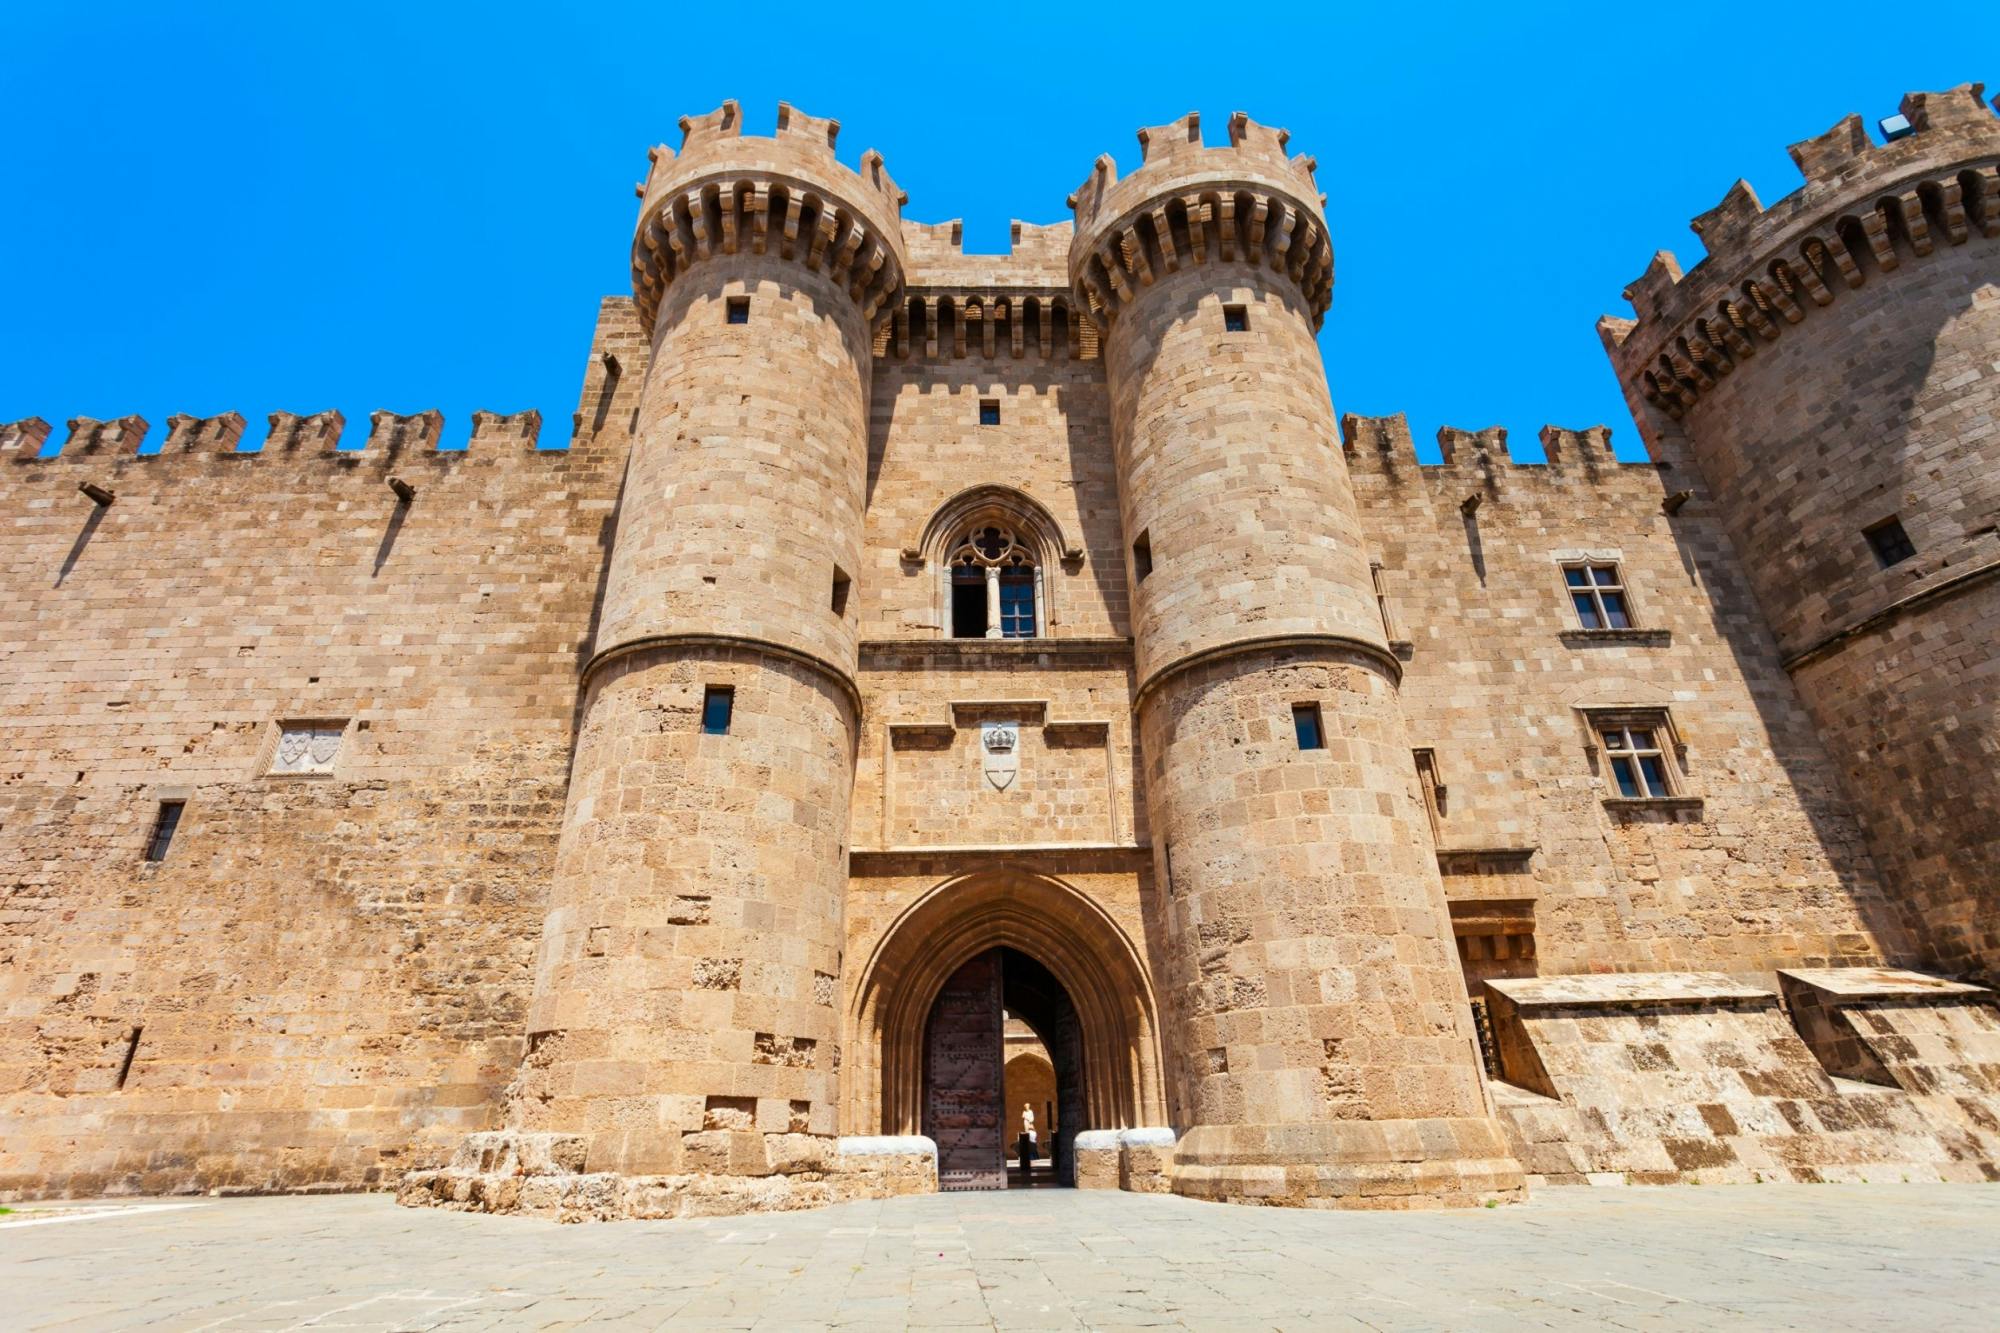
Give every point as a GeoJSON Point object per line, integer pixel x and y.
{"type": "Point", "coordinates": [993, 585]}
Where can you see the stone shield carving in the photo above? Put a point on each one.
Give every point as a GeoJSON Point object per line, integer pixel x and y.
{"type": "Point", "coordinates": [1000, 752]}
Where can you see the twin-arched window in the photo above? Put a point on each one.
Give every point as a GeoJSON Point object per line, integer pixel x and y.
{"type": "Point", "coordinates": [994, 585]}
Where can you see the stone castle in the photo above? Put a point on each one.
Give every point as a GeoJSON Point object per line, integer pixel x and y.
{"type": "Point", "coordinates": [919, 660]}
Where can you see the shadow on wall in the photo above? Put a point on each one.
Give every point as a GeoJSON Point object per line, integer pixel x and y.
{"type": "Point", "coordinates": [90, 526]}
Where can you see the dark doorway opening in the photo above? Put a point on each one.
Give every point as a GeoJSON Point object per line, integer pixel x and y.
{"type": "Point", "coordinates": [981, 1139]}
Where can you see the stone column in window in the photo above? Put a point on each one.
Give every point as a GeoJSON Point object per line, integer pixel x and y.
{"type": "Point", "coordinates": [993, 601]}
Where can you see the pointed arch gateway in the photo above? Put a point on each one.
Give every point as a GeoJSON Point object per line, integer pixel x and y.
{"type": "Point", "coordinates": [1057, 926]}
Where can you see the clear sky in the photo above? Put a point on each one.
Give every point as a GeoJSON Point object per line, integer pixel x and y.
{"type": "Point", "coordinates": [293, 206]}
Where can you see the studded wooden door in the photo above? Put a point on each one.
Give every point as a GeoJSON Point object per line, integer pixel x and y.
{"type": "Point", "coordinates": [962, 1078]}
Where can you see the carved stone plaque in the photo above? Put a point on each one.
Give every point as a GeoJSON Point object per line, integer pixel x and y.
{"type": "Point", "coordinates": [1000, 752]}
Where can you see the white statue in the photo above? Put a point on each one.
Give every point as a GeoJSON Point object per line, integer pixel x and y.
{"type": "Point", "coordinates": [1028, 1119]}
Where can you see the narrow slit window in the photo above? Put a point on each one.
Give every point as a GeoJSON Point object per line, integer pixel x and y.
{"type": "Point", "coordinates": [989, 411]}
{"type": "Point", "coordinates": [841, 583]}
{"type": "Point", "coordinates": [1892, 545]}
{"type": "Point", "coordinates": [1597, 591]}
{"type": "Point", "coordinates": [1142, 557]}
{"type": "Point", "coordinates": [718, 702]}
{"type": "Point", "coordinates": [1306, 725]}
{"type": "Point", "coordinates": [738, 308]}
{"type": "Point", "coordinates": [164, 824]}
{"type": "Point", "coordinates": [1638, 765]}
{"type": "Point", "coordinates": [1235, 319]}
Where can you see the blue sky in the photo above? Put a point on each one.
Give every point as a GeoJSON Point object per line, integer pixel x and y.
{"type": "Point", "coordinates": [259, 207]}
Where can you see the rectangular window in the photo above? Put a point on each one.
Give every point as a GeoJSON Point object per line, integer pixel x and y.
{"type": "Point", "coordinates": [739, 310]}
{"type": "Point", "coordinates": [1142, 557]}
{"type": "Point", "coordinates": [841, 583]}
{"type": "Point", "coordinates": [1235, 319]}
{"type": "Point", "coordinates": [1017, 603]}
{"type": "Point", "coordinates": [989, 411]}
{"type": "Point", "coordinates": [1638, 765]}
{"type": "Point", "coordinates": [717, 703]}
{"type": "Point", "coordinates": [164, 824]}
{"type": "Point", "coordinates": [1892, 545]}
{"type": "Point", "coordinates": [1305, 723]}
{"type": "Point", "coordinates": [1597, 591]}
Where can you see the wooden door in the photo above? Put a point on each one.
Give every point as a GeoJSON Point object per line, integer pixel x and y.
{"type": "Point", "coordinates": [962, 1078]}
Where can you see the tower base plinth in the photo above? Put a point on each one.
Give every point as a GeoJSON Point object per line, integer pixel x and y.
{"type": "Point", "coordinates": [1350, 1164]}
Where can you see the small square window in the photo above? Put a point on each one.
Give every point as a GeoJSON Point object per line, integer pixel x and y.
{"type": "Point", "coordinates": [1235, 319]}
{"type": "Point", "coordinates": [1142, 557]}
{"type": "Point", "coordinates": [739, 310]}
{"type": "Point", "coordinates": [164, 823]}
{"type": "Point", "coordinates": [1597, 591]}
{"type": "Point", "coordinates": [1305, 723]}
{"type": "Point", "coordinates": [989, 411]}
{"type": "Point", "coordinates": [1892, 545]}
{"type": "Point", "coordinates": [718, 702]}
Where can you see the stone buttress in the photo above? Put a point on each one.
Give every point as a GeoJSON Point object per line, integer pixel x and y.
{"type": "Point", "coordinates": [1322, 1049]}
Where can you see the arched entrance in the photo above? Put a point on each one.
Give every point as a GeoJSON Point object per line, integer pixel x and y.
{"type": "Point", "coordinates": [1076, 978]}
{"type": "Point", "coordinates": [968, 1112]}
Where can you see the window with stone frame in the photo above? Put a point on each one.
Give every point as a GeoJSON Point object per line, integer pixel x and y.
{"type": "Point", "coordinates": [1635, 759]}
{"type": "Point", "coordinates": [1597, 594]}
{"type": "Point", "coordinates": [995, 591]}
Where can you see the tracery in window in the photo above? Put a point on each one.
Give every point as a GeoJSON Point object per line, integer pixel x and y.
{"type": "Point", "coordinates": [993, 585]}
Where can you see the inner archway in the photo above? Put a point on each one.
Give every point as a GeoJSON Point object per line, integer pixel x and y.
{"type": "Point", "coordinates": [1064, 932]}
{"type": "Point", "coordinates": [968, 1112]}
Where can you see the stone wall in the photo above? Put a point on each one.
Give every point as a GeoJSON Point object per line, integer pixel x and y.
{"type": "Point", "coordinates": [324, 980]}
{"type": "Point", "coordinates": [1761, 866]}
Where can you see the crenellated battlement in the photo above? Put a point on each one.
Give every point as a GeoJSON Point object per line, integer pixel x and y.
{"type": "Point", "coordinates": [1385, 445]}
{"type": "Point", "coordinates": [1038, 257]}
{"type": "Point", "coordinates": [727, 192]}
{"type": "Point", "coordinates": [216, 434]}
{"type": "Point", "coordinates": [23, 438]}
{"type": "Point", "coordinates": [1189, 203]}
{"type": "Point", "coordinates": [289, 433]}
{"type": "Point", "coordinates": [1863, 210]}
{"type": "Point", "coordinates": [393, 433]}
{"type": "Point", "coordinates": [88, 435]}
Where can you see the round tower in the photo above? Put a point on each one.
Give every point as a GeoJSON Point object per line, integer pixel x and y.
{"type": "Point", "coordinates": [1833, 368]}
{"type": "Point", "coordinates": [1324, 1050]}
{"type": "Point", "coordinates": [685, 1016]}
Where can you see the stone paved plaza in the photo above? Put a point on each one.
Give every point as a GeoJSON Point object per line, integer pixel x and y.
{"type": "Point", "coordinates": [1790, 1256]}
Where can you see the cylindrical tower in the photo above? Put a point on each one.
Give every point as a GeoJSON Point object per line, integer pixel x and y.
{"type": "Point", "coordinates": [686, 1014]}
{"type": "Point", "coordinates": [1833, 366]}
{"type": "Point", "coordinates": [1322, 1048]}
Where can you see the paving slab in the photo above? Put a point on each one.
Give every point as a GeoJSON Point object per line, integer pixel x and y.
{"type": "Point", "coordinates": [1771, 1256]}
